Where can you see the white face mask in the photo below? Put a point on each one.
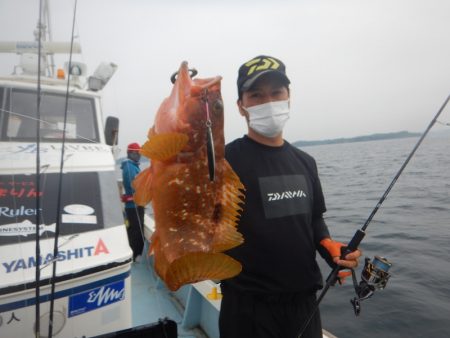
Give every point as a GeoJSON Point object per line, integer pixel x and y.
{"type": "Point", "coordinates": [268, 119]}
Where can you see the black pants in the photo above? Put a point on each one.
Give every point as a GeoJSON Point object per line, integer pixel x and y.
{"type": "Point", "coordinates": [267, 316]}
{"type": "Point", "coordinates": [135, 230]}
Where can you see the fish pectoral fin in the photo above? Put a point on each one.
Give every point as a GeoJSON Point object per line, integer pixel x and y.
{"type": "Point", "coordinates": [142, 187]}
{"type": "Point", "coordinates": [198, 266]}
{"type": "Point", "coordinates": [161, 147]}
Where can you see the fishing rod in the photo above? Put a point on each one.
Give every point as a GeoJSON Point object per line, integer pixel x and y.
{"type": "Point", "coordinates": [360, 233]}
{"type": "Point", "coordinates": [61, 166]}
{"type": "Point", "coordinates": [38, 183]}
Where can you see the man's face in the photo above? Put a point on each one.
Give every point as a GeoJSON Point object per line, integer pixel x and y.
{"type": "Point", "coordinates": [268, 88]}
{"type": "Point", "coordinates": [134, 156]}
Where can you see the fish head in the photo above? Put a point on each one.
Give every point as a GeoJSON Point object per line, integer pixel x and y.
{"type": "Point", "coordinates": [192, 107]}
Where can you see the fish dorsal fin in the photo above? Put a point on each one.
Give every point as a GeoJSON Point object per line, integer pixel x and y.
{"type": "Point", "coordinates": [162, 147]}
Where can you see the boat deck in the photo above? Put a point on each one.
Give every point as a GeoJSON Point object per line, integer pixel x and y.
{"type": "Point", "coordinates": [151, 301]}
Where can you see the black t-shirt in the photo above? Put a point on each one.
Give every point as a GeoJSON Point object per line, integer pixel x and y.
{"type": "Point", "coordinates": [281, 221]}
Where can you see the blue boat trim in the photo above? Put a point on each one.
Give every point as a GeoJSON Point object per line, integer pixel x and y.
{"type": "Point", "coordinates": [63, 293]}
{"type": "Point", "coordinates": [44, 282]}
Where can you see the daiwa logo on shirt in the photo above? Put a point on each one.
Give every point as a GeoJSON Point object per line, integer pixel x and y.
{"type": "Point", "coordinates": [286, 194]}
{"type": "Point", "coordinates": [63, 255]}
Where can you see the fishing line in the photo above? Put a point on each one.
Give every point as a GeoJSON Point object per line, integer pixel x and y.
{"type": "Point", "coordinates": [443, 123]}
{"type": "Point", "coordinates": [209, 140]}
{"type": "Point", "coordinates": [38, 188]}
{"type": "Point", "coordinates": [58, 207]}
{"type": "Point", "coordinates": [360, 233]}
{"type": "Point", "coordinates": [78, 136]}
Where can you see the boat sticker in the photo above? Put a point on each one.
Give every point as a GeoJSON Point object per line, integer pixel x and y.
{"type": "Point", "coordinates": [81, 205]}
{"type": "Point", "coordinates": [78, 209]}
{"type": "Point", "coordinates": [24, 229]}
{"type": "Point", "coordinates": [96, 298]}
{"type": "Point", "coordinates": [45, 148]}
{"type": "Point", "coordinates": [13, 318]}
{"type": "Point", "coordinates": [79, 213]}
{"type": "Point", "coordinates": [79, 219]}
{"type": "Point", "coordinates": [20, 306]}
{"type": "Point", "coordinates": [20, 264]}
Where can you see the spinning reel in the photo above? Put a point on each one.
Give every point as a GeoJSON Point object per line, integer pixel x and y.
{"type": "Point", "coordinates": [373, 277]}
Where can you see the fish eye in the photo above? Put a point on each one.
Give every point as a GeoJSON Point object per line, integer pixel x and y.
{"type": "Point", "coordinates": [218, 107]}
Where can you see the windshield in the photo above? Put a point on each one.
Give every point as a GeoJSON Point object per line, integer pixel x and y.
{"type": "Point", "coordinates": [18, 119]}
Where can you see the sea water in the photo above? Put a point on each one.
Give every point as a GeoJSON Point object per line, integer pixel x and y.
{"type": "Point", "coordinates": [411, 229]}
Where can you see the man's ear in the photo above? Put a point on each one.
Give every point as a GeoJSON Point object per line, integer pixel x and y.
{"type": "Point", "coordinates": [242, 111]}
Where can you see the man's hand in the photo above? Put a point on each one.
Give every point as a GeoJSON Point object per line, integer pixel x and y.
{"type": "Point", "coordinates": [349, 261]}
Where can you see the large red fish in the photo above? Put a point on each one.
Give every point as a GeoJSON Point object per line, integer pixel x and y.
{"type": "Point", "coordinates": [194, 192]}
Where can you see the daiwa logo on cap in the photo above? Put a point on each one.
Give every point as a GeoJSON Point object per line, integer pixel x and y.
{"type": "Point", "coordinates": [258, 64]}
{"type": "Point", "coordinates": [250, 71]}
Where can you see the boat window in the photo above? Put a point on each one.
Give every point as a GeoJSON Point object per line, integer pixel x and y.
{"type": "Point", "coordinates": [21, 123]}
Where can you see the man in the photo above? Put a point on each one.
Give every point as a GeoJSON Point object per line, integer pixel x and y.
{"type": "Point", "coordinates": [135, 214]}
{"type": "Point", "coordinates": [282, 221]}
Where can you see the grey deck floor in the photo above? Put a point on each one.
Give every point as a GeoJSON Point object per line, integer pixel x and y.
{"type": "Point", "coordinates": [151, 301]}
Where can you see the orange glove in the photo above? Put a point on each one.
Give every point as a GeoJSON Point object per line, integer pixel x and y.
{"type": "Point", "coordinates": [334, 249]}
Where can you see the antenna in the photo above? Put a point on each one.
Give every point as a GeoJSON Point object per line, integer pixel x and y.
{"type": "Point", "coordinates": [29, 50]}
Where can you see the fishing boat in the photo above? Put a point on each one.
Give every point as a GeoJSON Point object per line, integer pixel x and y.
{"type": "Point", "coordinates": [65, 261]}
{"type": "Point", "coordinates": [70, 196]}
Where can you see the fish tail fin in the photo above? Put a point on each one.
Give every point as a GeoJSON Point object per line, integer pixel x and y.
{"type": "Point", "coordinates": [198, 266]}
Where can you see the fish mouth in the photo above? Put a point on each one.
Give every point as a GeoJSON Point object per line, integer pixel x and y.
{"type": "Point", "coordinates": [215, 80]}
{"type": "Point", "coordinates": [198, 85]}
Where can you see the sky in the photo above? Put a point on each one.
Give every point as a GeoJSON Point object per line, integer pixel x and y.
{"type": "Point", "coordinates": [356, 67]}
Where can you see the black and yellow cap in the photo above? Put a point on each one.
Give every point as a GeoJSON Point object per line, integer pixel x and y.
{"type": "Point", "coordinates": [250, 71]}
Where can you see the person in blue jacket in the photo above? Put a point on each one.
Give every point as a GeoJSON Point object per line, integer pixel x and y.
{"type": "Point", "coordinates": [135, 214]}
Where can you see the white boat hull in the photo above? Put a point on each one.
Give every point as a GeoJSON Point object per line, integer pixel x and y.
{"type": "Point", "coordinates": [92, 295]}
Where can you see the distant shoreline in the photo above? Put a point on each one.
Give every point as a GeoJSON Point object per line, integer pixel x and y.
{"type": "Point", "coordinates": [372, 137]}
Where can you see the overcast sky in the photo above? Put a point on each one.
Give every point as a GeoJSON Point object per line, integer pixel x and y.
{"type": "Point", "coordinates": [356, 66]}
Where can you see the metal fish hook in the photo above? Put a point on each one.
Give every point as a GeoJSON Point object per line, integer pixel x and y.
{"type": "Point", "coordinates": [192, 72]}
{"type": "Point", "coordinates": [209, 141]}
